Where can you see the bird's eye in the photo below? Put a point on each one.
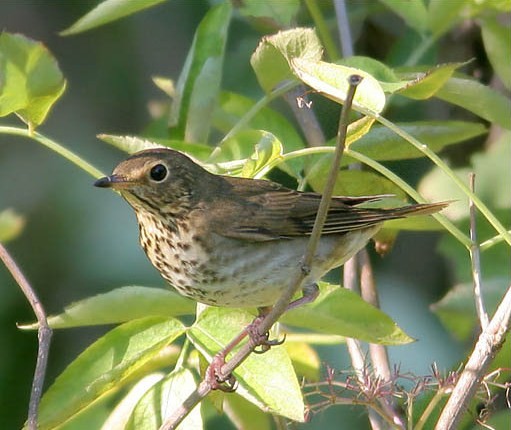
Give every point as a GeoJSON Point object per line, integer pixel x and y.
{"type": "Point", "coordinates": [158, 173]}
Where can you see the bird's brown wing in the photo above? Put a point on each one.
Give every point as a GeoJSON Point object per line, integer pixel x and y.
{"type": "Point", "coordinates": [263, 211]}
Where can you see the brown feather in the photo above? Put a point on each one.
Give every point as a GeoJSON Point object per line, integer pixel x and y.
{"type": "Point", "coordinates": [264, 211]}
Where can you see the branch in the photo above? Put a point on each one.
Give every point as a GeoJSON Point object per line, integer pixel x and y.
{"type": "Point", "coordinates": [280, 307]}
{"type": "Point", "coordinates": [44, 336]}
{"type": "Point", "coordinates": [487, 345]}
{"type": "Point", "coordinates": [475, 260]}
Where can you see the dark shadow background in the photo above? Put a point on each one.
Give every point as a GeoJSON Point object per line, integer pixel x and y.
{"type": "Point", "coordinates": [80, 241]}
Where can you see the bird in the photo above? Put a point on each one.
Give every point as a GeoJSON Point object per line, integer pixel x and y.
{"type": "Point", "coordinates": [236, 242]}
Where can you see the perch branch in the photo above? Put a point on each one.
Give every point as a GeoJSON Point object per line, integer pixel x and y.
{"type": "Point", "coordinates": [280, 307]}
{"type": "Point", "coordinates": [44, 336]}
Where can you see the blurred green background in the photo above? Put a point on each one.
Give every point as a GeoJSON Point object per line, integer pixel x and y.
{"type": "Point", "coordinates": [80, 241]}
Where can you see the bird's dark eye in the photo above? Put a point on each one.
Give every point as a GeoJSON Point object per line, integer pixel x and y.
{"type": "Point", "coordinates": [158, 173]}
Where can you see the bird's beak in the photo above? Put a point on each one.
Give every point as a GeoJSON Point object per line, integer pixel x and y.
{"type": "Point", "coordinates": [112, 181]}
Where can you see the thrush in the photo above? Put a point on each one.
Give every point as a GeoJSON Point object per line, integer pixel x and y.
{"type": "Point", "coordinates": [236, 242]}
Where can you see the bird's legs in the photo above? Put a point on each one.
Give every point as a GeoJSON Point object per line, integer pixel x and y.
{"type": "Point", "coordinates": [219, 381]}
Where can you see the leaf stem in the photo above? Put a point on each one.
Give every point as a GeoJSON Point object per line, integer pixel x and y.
{"type": "Point", "coordinates": [55, 147]}
{"type": "Point", "coordinates": [322, 28]}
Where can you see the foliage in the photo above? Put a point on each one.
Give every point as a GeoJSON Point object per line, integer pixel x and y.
{"type": "Point", "coordinates": [257, 141]}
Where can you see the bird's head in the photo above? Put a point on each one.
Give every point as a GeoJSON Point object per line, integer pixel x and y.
{"type": "Point", "coordinates": [156, 180]}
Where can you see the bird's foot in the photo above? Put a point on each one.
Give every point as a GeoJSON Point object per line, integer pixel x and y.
{"type": "Point", "coordinates": [310, 293]}
{"type": "Point", "coordinates": [260, 343]}
{"type": "Point", "coordinates": [216, 378]}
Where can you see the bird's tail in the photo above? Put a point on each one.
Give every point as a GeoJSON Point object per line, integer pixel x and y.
{"type": "Point", "coordinates": [418, 209]}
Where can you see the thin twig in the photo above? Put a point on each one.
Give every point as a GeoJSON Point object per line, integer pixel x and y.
{"type": "Point", "coordinates": [475, 259]}
{"type": "Point", "coordinates": [280, 307]}
{"type": "Point", "coordinates": [44, 336]}
{"type": "Point", "coordinates": [350, 281]}
{"type": "Point", "coordinates": [343, 25]}
{"type": "Point", "coordinates": [378, 353]}
{"type": "Point", "coordinates": [487, 345]}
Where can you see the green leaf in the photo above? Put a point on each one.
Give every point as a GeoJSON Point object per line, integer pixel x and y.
{"type": "Point", "coordinates": [11, 225]}
{"type": "Point", "coordinates": [120, 305]}
{"type": "Point", "coordinates": [332, 80]}
{"type": "Point", "coordinates": [105, 367]}
{"type": "Point", "coordinates": [497, 44]}
{"type": "Point", "coordinates": [477, 98]}
{"type": "Point", "coordinates": [132, 144]}
{"type": "Point", "coordinates": [106, 12]}
{"type": "Point", "coordinates": [129, 144]}
{"type": "Point", "coordinates": [267, 151]}
{"type": "Point", "coordinates": [199, 83]}
{"type": "Point", "coordinates": [245, 414]}
{"type": "Point", "coordinates": [444, 15]}
{"type": "Point", "coordinates": [120, 416]}
{"type": "Point", "coordinates": [266, 380]}
{"type": "Point", "coordinates": [493, 177]}
{"type": "Point", "coordinates": [306, 360]}
{"type": "Point", "coordinates": [249, 153]}
{"type": "Point", "coordinates": [234, 106]}
{"type": "Point", "coordinates": [352, 182]}
{"type": "Point", "coordinates": [457, 311]}
{"type": "Point", "coordinates": [343, 312]}
{"type": "Point", "coordinates": [413, 12]}
{"type": "Point", "coordinates": [282, 13]}
{"type": "Point", "coordinates": [272, 58]}
{"type": "Point", "coordinates": [423, 85]}
{"type": "Point", "coordinates": [31, 81]}
{"type": "Point", "coordinates": [377, 69]}
{"type": "Point", "coordinates": [382, 144]}
{"type": "Point", "coordinates": [160, 401]}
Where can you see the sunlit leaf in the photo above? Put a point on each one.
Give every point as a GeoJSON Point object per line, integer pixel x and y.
{"type": "Point", "coordinates": [267, 380]}
{"type": "Point", "coordinates": [120, 305]}
{"type": "Point", "coordinates": [11, 225]}
{"type": "Point", "coordinates": [31, 81]}
{"type": "Point", "coordinates": [306, 360]}
{"type": "Point", "coordinates": [160, 401]}
{"type": "Point", "coordinates": [132, 144]}
{"type": "Point", "coordinates": [246, 415]}
{"type": "Point", "coordinates": [267, 151]}
{"type": "Point", "coordinates": [104, 367]}
{"type": "Point", "coordinates": [271, 60]}
{"type": "Point", "coordinates": [120, 416]}
{"type": "Point", "coordinates": [423, 85]}
{"type": "Point", "coordinates": [343, 312]}
{"type": "Point", "coordinates": [332, 81]}
{"type": "Point", "coordinates": [106, 12]}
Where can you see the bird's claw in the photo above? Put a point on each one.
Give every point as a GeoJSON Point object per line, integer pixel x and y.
{"type": "Point", "coordinates": [215, 377]}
